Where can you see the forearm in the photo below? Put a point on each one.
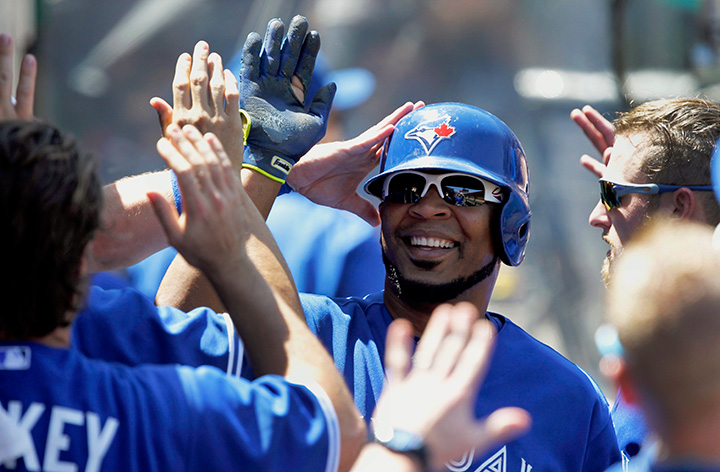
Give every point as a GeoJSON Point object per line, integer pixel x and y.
{"type": "Point", "coordinates": [130, 229]}
{"type": "Point", "coordinates": [262, 300]}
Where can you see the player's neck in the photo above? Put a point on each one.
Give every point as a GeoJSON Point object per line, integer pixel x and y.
{"type": "Point", "coordinates": [58, 338]}
{"type": "Point", "coordinates": [419, 313]}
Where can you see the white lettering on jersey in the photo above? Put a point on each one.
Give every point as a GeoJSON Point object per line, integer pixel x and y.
{"type": "Point", "coordinates": [58, 441]}
{"type": "Point", "coordinates": [27, 422]}
{"type": "Point", "coordinates": [99, 437]}
{"type": "Point", "coordinates": [496, 463]}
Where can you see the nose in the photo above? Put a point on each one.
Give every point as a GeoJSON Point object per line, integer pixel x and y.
{"type": "Point", "coordinates": [430, 206]}
{"type": "Point", "coordinates": [599, 217]}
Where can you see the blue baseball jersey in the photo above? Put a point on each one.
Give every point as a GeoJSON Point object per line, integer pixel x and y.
{"type": "Point", "coordinates": [571, 431]}
{"type": "Point", "coordinates": [630, 427]}
{"type": "Point", "coordinates": [125, 326]}
{"type": "Point", "coordinates": [86, 414]}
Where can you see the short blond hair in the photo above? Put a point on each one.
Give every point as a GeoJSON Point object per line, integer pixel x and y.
{"type": "Point", "coordinates": [682, 133]}
{"type": "Point", "coordinates": [664, 300]}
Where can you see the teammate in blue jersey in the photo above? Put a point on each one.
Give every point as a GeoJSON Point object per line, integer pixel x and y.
{"type": "Point", "coordinates": [454, 186]}
{"type": "Point", "coordinates": [454, 190]}
{"type": "Point", "coordinates": [665, 311]}
{"type": "Point", "coordinates": [659, 142]}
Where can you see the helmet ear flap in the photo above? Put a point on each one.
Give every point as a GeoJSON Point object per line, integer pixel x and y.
{"type": "Point", "coordinates": [513, 230]}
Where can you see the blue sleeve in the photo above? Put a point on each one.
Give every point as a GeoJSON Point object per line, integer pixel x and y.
{"type": "Point", "coordinates": [125, 326]}
{"type": "Point", "coordinates": [629, 425]}
{"type": "Point", "coordinates": [268, 424]}
{"type": "Point", "coordinates": [602, 449]}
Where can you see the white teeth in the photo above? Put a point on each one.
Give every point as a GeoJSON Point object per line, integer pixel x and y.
{"type": "Point", "coordinates": [430, 242]}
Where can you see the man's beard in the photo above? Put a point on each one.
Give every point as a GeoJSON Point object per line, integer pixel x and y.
{"type": "Point", "coordinates": [609, 263]}
{"type": "Point", "coordinates": [416, 293]}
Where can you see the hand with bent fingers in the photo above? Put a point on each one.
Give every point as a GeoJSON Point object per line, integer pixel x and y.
{"type": "Point", "coordinates": [601, 134]}
{"type": "Point", "coordinates": [211, 231]}
{"type": "Point", "coordinates": [330, 173]}
{"type": "Point", "coordinates": [205, 96]}
{"type": "Point", "coordinates": [433, 393]}
{"type": "Point", "coordinates": [284, 123]}
{"type": "Point", "coordinates": [22, 107]}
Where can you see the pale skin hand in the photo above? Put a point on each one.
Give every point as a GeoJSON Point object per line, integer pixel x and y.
{"type": "Point", "coordinates": [207, 97]}
{"type": "Point", "coordinates": [211, 232]}
{"type": "Point", "coordinates": [330, 173]}
{"type": "Point", "coordinates": [435, 397]}
{"type": "Point", "coordinates": [25, 93]}
{"type": "Point", "coordinates": [601, 134]}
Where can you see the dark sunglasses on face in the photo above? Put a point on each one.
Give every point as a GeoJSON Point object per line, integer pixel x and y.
{"type": "Point", "coordinates": [458, 189]}
{"type": "Point", "coordinates": [612, 192]}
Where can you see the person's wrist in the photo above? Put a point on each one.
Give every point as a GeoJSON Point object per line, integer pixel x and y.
{"type": "Point", "coordinates": [401, 441]}
{"type": "Point", "coordinates": [272, 165]}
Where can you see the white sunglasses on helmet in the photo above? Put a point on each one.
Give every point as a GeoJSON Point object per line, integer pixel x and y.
{"type": "Point", "coordinates": [463, 190]}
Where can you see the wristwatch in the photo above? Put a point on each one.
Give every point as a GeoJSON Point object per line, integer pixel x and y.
{"type": "Point", "coordinates": [401, 441]}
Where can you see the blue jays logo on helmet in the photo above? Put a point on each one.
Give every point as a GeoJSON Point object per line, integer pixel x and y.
{"type": "Point", "coordinates": [453, 137]}
{"type": "Point", "coordinates": [430, 133]}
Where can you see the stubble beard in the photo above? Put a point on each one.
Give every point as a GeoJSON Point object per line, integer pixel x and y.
{"type": "Point", "coordinates": [609, 263]}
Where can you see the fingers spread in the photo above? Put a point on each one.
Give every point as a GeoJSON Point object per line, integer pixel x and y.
{"type": "Point", "coordinates": [250, 70]}
{"type": "Point", "coordinates": [217, 82]}
{"type": "Point", "coordinates": [181, 82]}
{"type": "Point", "coordinates": [199, 76]}
{"type": "Point", "coordinates": [473, 363]}
{"type": "Point", "coordinates": [432, 337]}
{"type": "Point", "coordinates": [398, 350]}
{"type": "Point", "coordinates": [232, 94]}
{"type": "Point", "coordinates": [308, 55]}
{"type": "Point", "coordinates": [323, 101]}
{"type": "Point", "coordinates": [26, 88]}
{"type": "Point", "coordinates": [6, 68]}
{"type": "Point", "coordinates": [270, 55]}
{"type": "Point", "coordinates": [167, 215]}
{"type": "Point", "coordinates": [502, 425]}
{"type": "Point", "coordinates": [292, 46]}
{"type": "Point", "coordinates": [453, 345]}
{"type": "Point", "coordinates": [164, 111]}
{"type": "Point", "coordinates": [593, 165]}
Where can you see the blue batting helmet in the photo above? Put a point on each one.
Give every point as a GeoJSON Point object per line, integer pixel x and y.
{"type": "Point", "coordinates": [454, 137]}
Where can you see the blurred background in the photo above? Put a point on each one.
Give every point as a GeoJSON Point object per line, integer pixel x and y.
{"type": "Point", "coordinates": [530, 62]}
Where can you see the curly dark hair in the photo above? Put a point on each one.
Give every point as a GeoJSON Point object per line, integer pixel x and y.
{"type": "Point", "coordinates": [50, 204]}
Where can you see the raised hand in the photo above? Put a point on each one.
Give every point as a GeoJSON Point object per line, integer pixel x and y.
{"type": "Point", "coordinates": [211, 232]}
{"type": "Point", "coordinates": [601, 134]}
{"type": "Point", "coordinates": [205, 96]}
{"type": "Point", "coordinates": [22, 107]}
{"type": "Point", "coordinates": [432, 394]}
{"type": "Point", "coordinates": [284, 123]}
{"type": "Point", "coordinates": [330, 173]}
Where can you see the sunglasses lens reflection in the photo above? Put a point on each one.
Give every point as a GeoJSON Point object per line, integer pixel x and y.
{"type": "Point", "coordinates": [608, 195]}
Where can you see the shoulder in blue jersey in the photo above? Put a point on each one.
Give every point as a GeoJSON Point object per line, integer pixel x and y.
{"type": "Point", "coordinates": [91, 415]}
{"type": "Point", "coordinates": [125, 326]}
{"type": "Point", "coordinates": [572, 430]}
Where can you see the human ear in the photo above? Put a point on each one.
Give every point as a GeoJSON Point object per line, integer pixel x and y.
{"type": "Point", "coordinates": [684, 202]}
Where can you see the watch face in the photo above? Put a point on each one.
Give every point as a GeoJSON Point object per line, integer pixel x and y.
{"type": "Point", "coordinates": [404, 441]}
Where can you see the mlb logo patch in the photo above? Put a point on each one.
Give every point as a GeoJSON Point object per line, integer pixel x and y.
{"type": "Point", "coordinates": [14, 357]}
{"type": "Point", "coordinates": [431, 133]}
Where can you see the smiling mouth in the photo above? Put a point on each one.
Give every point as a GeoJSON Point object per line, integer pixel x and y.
{"type": "Point", "coordinates": [432, 243]}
